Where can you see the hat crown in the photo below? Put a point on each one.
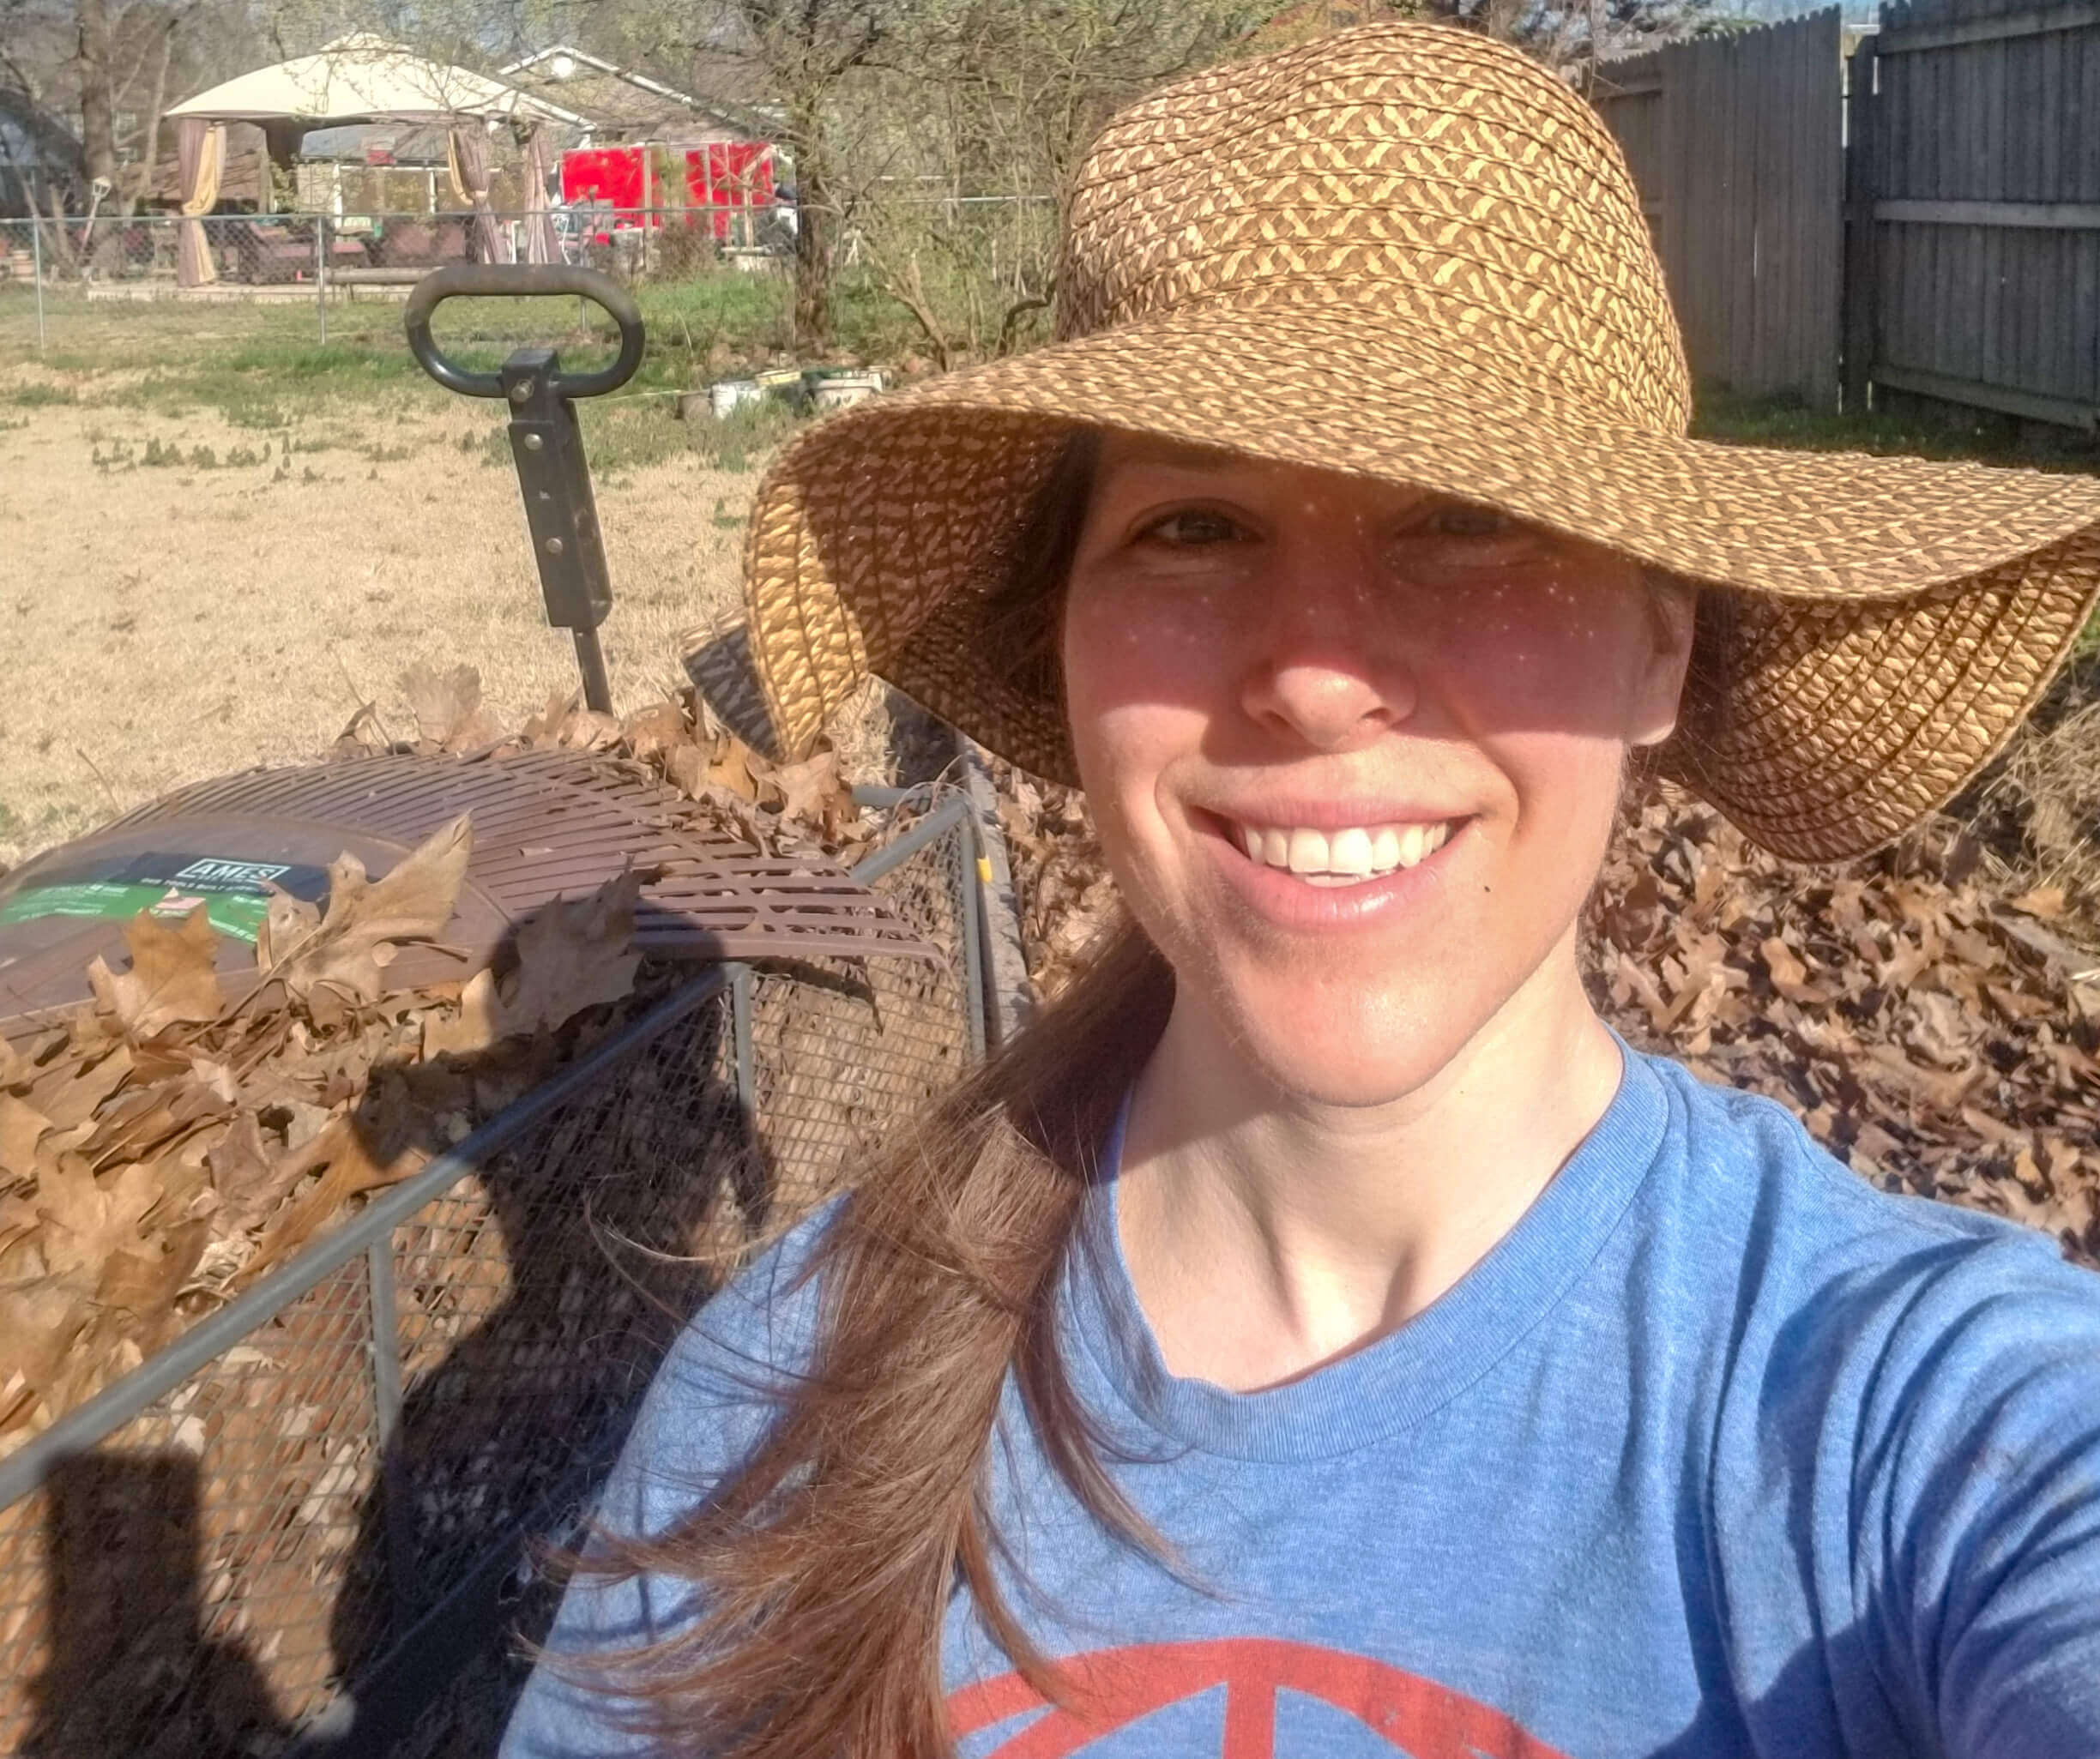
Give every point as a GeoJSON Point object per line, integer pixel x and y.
{"type": "Point", "coordinates": [1444, 183]}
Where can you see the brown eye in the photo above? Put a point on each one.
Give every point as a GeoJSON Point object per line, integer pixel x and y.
{"type": "Point", "coordinates": [1461, 519]}
{"type": "Point", "coordinates": [1193, 527]}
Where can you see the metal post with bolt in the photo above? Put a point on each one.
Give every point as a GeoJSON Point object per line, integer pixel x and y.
{"type": "Point", "coordinates": [547, 445]}
{"type": "Point", "coordinates": [321, 273]}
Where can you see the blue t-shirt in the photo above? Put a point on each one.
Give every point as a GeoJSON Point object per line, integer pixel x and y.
{"type": "Point", "coordinates": [1718, 1452]}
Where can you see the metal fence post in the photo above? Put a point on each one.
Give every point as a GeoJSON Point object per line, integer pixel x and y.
{"type": "Point", "coordinates": [1009, 997]}
{"type": "Point", "coordinates": [387, 1403]}
{"type": "Point", "coordinates": [36, 272]}
{"type": "Point", "coordinates": [321, 273]}
{"type": "Point", "coordinates": [1858, 297]}
{"type": "Point", "coordinates": [740, 1040]}
{"type": "Point", "coordinates": [969, 925]}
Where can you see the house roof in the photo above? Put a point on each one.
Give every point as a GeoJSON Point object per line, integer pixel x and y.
{"type": "Point", "coordinates": [614, 97]}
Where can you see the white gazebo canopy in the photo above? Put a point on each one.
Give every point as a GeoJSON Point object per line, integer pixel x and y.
{"type": "Point", "coordinates": [363, 77]}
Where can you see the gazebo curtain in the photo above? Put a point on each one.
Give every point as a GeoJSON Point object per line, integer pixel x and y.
{"type": "Point", "coordinates": [542, 243]}
{"type": "Point", "coordinates": [467, 154]}
{"type": "Point", "coordinates": [200, 155]}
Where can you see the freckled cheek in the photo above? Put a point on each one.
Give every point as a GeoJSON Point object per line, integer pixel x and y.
{"type": "Point", "coordinates": [1141, 689]}
{"type": "Point", "coordinates": [1137, 650]}
{"type": "Point", "coordinates": [1538, 669]}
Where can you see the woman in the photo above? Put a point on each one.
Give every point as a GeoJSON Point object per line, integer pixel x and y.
{"type": "Point", "coordinates": [1319, 1334]}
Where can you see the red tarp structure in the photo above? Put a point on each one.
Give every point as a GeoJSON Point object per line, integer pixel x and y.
{"type": "Point", "coordinates": [721, 179]}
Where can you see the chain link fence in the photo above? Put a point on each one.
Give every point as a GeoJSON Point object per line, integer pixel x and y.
{"type": "Point", "coordinates": [305, 1525]}
{"type": "Point", "coordinates": [957, 272]}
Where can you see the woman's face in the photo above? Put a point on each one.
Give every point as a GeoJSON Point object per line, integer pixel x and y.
{"type": "Point", "coordinates": [1354, 749]}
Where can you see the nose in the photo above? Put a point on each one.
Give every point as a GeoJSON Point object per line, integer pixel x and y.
{"type": "Point", "coordinates": [1325, 665]}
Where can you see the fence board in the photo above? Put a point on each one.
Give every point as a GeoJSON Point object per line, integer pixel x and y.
{"type": "Point", "coordinates": [1967, 257]}
{"type": "Point", "coordinates": [1735, 143]}
{"type": "Point", "coordinates": [1987, 206]}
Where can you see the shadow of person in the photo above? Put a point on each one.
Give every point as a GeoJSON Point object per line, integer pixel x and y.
{"type": "Point", "coordinates": [133, 1674]}
{"type": "Point", "coordinates": [532, 1301]}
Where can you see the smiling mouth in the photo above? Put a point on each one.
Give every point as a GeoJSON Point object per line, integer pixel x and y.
{"type": "Point", "coordinates": [1352, 855]}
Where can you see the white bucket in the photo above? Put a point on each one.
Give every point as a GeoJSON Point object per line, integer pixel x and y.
{"type": "Point", "coordinates": [733, 394]}
{"type": "Point", "coordinates": [843, 390]}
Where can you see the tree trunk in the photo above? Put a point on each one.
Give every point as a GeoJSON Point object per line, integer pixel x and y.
{"type": "Point", "coordinates": [59, 254]}
{"type": "Point", "coordinates": [97, 103]}
{"type": "Point", "coordinates": [813, 231]}
{"type": "Point", "coordinates": [812, 267]}
{"type": "Point", "coordinates": [156, 106]}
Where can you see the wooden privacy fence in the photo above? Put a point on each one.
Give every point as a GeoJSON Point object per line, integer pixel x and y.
{"type": "Point", "coordinates": [1974, 207]}
{"type": "Point", "coordinates": [1736, 144]}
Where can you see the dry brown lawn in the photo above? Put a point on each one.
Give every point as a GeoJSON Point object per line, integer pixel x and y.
{"type": "Point", "coordinates": [170, 622]}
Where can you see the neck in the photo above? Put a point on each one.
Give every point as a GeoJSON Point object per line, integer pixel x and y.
{"type": "Point", "coordinates": [1266, 1239]}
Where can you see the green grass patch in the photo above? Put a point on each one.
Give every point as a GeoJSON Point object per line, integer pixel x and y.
{"type": "Point", "coordinates": [1976, 436]}
{"type": "Point", "coordinates": [39, 396]}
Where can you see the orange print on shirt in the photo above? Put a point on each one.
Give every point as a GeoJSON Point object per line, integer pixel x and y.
{"type": "Point", "coordinates": [1111, 1689]}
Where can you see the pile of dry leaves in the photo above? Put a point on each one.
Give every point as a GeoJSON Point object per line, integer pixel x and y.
{"type": "Point", "coordinates": [1941, 1039]}
{"type": "Point", "coordinates": [778, 807]}
{"type": "Point", "coordinates": [166, 1146]}
{"type": "Point", "coordinates": [1939, 1036]}
{"type": "Point", "coordinates": [170, 1143]}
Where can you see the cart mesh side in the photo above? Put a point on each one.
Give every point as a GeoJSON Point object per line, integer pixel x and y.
{"type": "Point", "coordinates": [316, 1534]}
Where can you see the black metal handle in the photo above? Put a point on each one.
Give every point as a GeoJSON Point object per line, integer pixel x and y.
{"type": "Point", "coordinates": [502, 280]}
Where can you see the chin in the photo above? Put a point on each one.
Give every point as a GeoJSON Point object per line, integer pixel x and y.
{"type": "Point", "coordinates": [1346, 1043]}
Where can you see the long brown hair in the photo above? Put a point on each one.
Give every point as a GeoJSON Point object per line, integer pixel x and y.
{"type": "Point", "coordinates": [824, 1570]}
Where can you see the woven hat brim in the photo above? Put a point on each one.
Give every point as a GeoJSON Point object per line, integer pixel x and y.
{"type": "Point", "coordinates": [1893, 621]}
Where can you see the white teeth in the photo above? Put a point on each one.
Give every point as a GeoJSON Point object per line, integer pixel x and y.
{"type": "Point", "coordinates": [1345, 857]}
{"type": "Point", "coordinates": [1349, 852]}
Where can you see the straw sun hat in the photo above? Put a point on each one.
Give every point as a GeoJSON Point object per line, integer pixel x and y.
{"type": "Point", "coordinates": [1408, 252]}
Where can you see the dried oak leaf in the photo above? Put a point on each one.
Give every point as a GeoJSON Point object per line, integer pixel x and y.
{"type": "Point", "coordinates": [87, 1219]}
{"type": "Point", "coordinates": [144, 1282]}
{"type": "Point", "coordinates": [132, 1129]}
{"type": "Point", "coordinates": [572, 956]}
{"type": "Point", "coordinates": [447, 706]}
{"type": "Point", "coordinates": [1789, 976]}
{"type": "Point", "coordinates": [543, 729]}
{"type": "Point", "coordinates": [807, 787]}
{"type": "Point", "coordinates": [346, 1167]}
{"type": "Point", "coordinates": [21, 1128]}
{"type": "Point", "coordinates": [587, 730]}
{"type": "Point", "coordinates": [287, 923]}
{"type": "Point", "coordinates": [172, 980]}
{"type": "Point", "coordinates": [248, 1178]}
{"type": "Point", "coordinates": [737, 767]}
{"type": "Point", "coordinates": [40, 1318]}
{"type": "Point", "coordinates": [344, 955]}
{"type": "Point", "coordinates": [2048, 902]}
{"type": "Point", "coordinates": [660, 727]}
